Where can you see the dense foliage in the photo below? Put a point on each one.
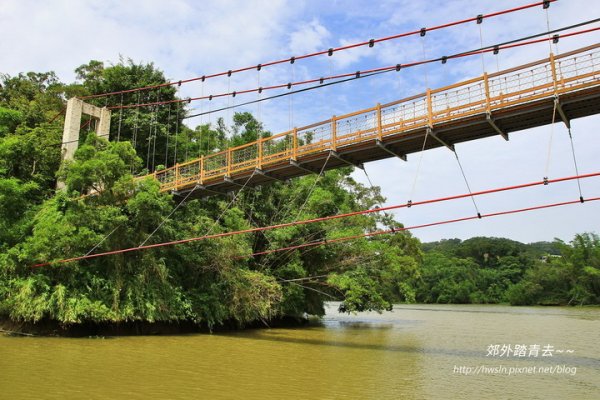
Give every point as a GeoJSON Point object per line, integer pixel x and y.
{"type": "Point", "coordinates": [208, 282]}
{"type": "Point", "coordinates": [495, 270]}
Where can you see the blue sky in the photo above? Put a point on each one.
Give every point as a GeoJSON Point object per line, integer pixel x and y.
{"type": "Point", "coordinates": [188, 38]}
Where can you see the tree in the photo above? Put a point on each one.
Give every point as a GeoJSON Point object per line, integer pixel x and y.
{"type": "Point", "coordinates": [148, 128]}
{"type": "Point", "coordinates": [99, 165]}
{"type": "Point", "coordinates": [207, 282]}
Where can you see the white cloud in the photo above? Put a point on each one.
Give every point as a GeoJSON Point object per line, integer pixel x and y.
{"type": "Point", "coordinates": [310, 37]}
{"type": "Point", "coordinates": [181, 37]}
{"type": "Point", "coordinates": [344, 59]}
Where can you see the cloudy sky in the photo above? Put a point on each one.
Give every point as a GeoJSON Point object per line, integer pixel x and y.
{"type": "Point", "coordinates": [191, 38]}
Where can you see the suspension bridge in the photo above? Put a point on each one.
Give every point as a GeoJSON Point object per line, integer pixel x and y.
{"type": "Point", "coordinates": [560, 87]}
{"type": "Point", "coordinates": [523, 97]}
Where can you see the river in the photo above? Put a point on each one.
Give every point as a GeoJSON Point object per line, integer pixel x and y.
{"type": "Point", "coordinates": [414, 352]}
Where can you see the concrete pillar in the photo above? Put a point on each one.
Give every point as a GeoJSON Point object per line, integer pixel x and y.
{"type": "Point", "coordinates": [103, 129]}
{"type": "Point", "coordinates": [70, 137]}
{"type": "Point", "coordinates": [76, 109]}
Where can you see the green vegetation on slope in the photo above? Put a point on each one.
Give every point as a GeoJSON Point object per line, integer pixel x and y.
{"type": "Point", "coordinates": [204, 282]}
{"type": "Point", "coordinates": [496, 270]}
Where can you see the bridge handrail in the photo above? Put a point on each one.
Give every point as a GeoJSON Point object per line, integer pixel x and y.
{"type": "Point", "coordinates": [569, 71]}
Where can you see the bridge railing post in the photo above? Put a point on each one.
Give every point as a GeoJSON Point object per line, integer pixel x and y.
{"type": "Point", "coordinates": [486, 85]}
{"type": "Point", "coordinates": [429, 108]}
{"type": "Point", "coordinates": [333, 145]}
{"type": "Point", "coordinates": [201, 172]}
{"type": "Point", "coordinates": [228, 161]}
{"type": "Point", "coordinates": [295, 144]}
{"type": "Point", "coordinates": [177, 176]}
{"type": "Point", "coordinates": [259, 159]}
{"type": "Point", "coordinates": [553, 69]}
{"type": "Point", "coordinates": [379, 127]}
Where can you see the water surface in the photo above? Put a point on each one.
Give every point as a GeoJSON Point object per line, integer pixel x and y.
{"type": "Point", "coordinates": [414, 352]}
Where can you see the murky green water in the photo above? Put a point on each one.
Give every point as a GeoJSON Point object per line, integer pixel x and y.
{"type": "Point", "coordinates": [416, 352]}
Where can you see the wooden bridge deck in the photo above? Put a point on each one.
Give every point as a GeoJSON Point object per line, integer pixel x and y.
{"type": "Point", "coordinates": [492, 104]}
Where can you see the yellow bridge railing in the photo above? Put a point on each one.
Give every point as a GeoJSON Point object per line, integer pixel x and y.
{"type": "Point", "coordinates": [554, 75]}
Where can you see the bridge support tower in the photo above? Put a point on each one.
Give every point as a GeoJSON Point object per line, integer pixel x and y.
{"type": "Point", "coordinates": [76, 109]}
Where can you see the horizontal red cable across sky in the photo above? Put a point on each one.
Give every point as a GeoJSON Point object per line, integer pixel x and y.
{"type": "Point", "coordinates": [322, 219]}
{"type": "Point", "coordinates": [330, 51]}
{"type": "Point", "coordinates": [289, 85]}
{"type": "Point", "coordinates": [389, 231]}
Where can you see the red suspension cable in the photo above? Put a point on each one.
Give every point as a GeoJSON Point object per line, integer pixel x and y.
{"type": "Point", "coordinates": [58, 114]}
{"type": "Point", "coordinates": [389, 231]}
{"type": "Point", "coordinates": [349, 74]}
{"type": "Point", "coordinates": [513, 45]}
{"type": "Point", "coordinates": [318, 53]}
{"type": "Point", "coordinates": [322, 219]}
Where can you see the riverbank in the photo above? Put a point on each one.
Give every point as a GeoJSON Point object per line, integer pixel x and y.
{"type": "Point", "coordinates": [50, 328]}
{"type": "Point", "coordinates": [132, 328]}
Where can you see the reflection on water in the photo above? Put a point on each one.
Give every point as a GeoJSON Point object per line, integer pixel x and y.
{"type": "Point", "coordinates": [411, 353]}
{"type": "Point", "coordinates": [363, 325]}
